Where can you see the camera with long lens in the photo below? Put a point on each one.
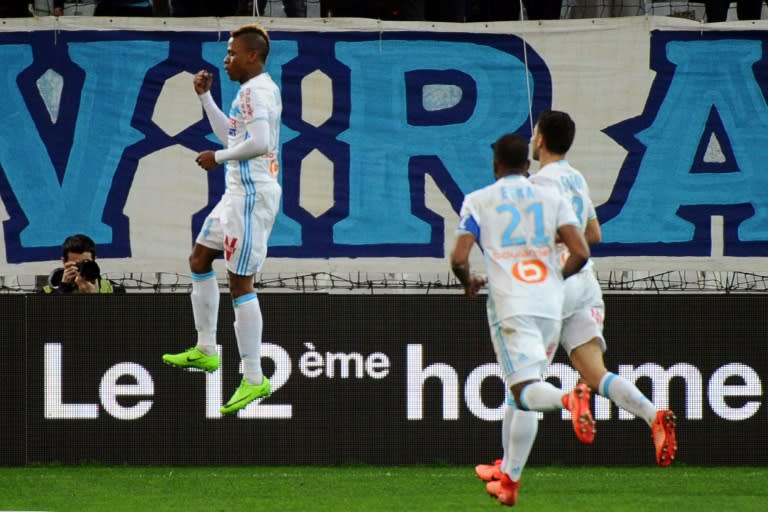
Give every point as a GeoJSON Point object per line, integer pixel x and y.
{"type": "Point", "coordinates": [88, 269]}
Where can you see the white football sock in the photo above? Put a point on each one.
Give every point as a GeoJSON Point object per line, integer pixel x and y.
{"type": "Point", "coordinates": [541, 396]}
{"type": "Point", "coordinates": [626, 395]}
{"type": "Point", "coordinates": [205, 310]}
{"type": "Point", "coordinates": [506, 422]}
{"type": "Point", "coordinates": [248, 327]}
{"type": "Point", "coordinates": [523, 426]}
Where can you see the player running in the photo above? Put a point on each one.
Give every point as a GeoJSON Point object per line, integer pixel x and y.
{"type": "Point", "coordinates": [583, 309]}
{"type": "Point", "coordinates": [516, 223]}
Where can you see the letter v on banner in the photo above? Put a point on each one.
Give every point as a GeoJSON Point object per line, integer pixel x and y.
{"type": "Point", "coordinates": [54, 202]}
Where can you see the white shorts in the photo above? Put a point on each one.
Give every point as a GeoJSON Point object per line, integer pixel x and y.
{"type": "Point", "coordinates": [240, 226]}
{"type": "Point", "coordinates": [583, 311]}
{"type": "Point", "coordinates": [524, 346]}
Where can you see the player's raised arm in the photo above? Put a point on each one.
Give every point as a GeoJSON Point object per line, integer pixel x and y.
{"type": "Point", "coordinates": [218, 119]}
{"type": "Point", "coordinates": [202, 82]}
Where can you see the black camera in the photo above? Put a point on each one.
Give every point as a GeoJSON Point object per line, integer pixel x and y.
{"type": "Point", "coordinates": [88, 269]}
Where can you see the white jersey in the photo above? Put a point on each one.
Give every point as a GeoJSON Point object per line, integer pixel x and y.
{"type": "Point", "coordinates": [571, 183]}
{"type": "Point", "coordinates": [583, 308]}
{"type": "Point", "coordinates": [258, 98]}
{"type": "Point", "coordinates": [515, 223]}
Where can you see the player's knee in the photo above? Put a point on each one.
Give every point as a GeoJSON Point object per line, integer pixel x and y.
{"type": "Point", "coordinates": [240, 285]}
{"type": "Point", "coordinates": [588, 361]}
{"type": "Point", "coordinates": [593, 379]}
{"type": "Point", "coordinates": [516, 391]}
{"type": "Point", "coordinates": [199, 264]}
{"type": "Point", "coordinates": [194, 264]}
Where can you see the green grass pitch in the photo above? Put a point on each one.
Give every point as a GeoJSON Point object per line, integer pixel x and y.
{"type": "Point", "coordinates": [371, 488]}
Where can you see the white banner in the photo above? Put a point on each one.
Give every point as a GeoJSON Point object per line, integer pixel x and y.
{"type": "Point", "coordinates": [385, 127]}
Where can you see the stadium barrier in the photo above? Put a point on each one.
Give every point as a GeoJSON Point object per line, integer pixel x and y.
{"type": "Point", "coordinates": [375, 379]}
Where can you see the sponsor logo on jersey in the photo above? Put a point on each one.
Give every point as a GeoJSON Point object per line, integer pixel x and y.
{"type": "Point", "coordinates": [245, 103]}
{"type": "Point", "coordinates": [530, 271]}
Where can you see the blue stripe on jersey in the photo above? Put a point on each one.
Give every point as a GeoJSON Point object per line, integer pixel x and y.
{"type": "Point", "coordinates": [247, 242]}
{"type": "Point", "coordinates": [468, 224]}
{"type": "Point", "coordinates": [248, 297]}
{"type": "Point", "coordinates": [203, 277]}
{"type": "Point", "coordinates": [605, 384]}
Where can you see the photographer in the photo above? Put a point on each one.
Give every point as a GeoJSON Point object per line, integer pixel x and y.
{"type": "Point", "coordinates": [80, 273]}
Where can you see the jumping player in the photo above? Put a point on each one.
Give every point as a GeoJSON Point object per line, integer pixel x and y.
{"type": "Point", "coordinates": [240, 224]}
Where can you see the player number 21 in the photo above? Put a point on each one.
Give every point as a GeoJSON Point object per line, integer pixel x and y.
{"type": "Point", "coordinates": [534, 212]}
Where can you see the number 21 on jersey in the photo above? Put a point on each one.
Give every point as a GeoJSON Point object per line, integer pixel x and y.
{"type": "Point", "coordinates": [517, 229]}
{"type": "Point", "coordinates": [519, 232]}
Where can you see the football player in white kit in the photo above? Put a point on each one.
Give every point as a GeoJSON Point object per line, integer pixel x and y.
{"type": "Point", "coordinates": [583, 308]}
{"type": "Point", "coordinates": [517, 223]}
{"type": "Point", "coordinates": [240, 224]}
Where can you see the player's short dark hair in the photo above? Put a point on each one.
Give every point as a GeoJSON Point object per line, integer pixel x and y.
{"type": "Point", "coordinates": [558, 130]}
{"type": "Point", "coordinates": [511, 151]}
{"type": "Point", "coordinates": [78, 244]}
{"type": "Point", "coordinates": [256, 36]}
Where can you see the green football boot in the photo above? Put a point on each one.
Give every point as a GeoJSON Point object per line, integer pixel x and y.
{"type": "Point", "coordinates": [193, 358]}
{"type": "Point", "coordinates": [245, 394]}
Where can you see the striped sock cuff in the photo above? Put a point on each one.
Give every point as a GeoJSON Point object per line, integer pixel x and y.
{"type": "Point", "coordinates": [248, 297]}
{"type": "Point", "coordinates": [203, 277]}
{"type": "Point", "coordinates": [605, 383]}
